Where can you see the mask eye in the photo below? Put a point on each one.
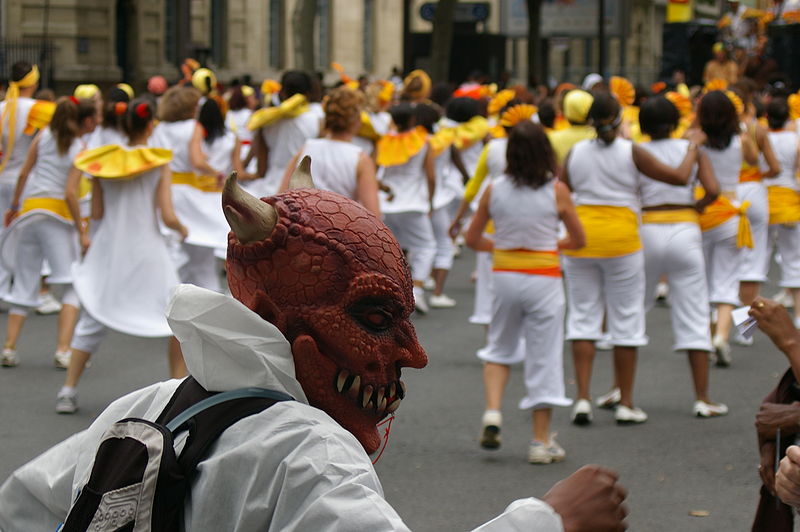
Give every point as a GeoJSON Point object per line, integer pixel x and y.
{"type": "Point", "coordinates": [374, 316]}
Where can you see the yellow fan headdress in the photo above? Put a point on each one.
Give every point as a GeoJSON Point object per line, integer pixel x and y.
{"type": "Point", "coordinates": [499, 101]}
{"type": "Point", "coordinates": [516, 114]}
{"type": "Point", "coordinates": [794, 106]}
{"type": "Point", "coordinates": [715, 84]}
{"type": "Point", "coordinates": [622, 90]}
{"type": "Point", "coordinates": [681, 103]}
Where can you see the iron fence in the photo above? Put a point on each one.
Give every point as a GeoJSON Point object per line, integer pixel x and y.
{"type": "Point", "coordinates": [34, 51]}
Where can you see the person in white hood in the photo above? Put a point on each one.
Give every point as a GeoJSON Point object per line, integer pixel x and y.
{"type": "Point", "coordinates": [302, 464]}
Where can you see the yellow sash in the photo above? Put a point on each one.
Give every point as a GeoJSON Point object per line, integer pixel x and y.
{"type": "Point", "coordinates": [527, 261]}
{"type": "Point", "coordinates": [749, 174]}
{"type": "Point", "coordinates": [674, 216]}
{"type": "Point", "coordinates": [395, 149]}
{"type": "Point", "coordinates": [55, 205]}
{"type": "Point", "coordinates": [784, 205]}
{"type": "Point", "coordinates": [610, 231]}
{"type": "Point", "coordinates": [723, 210]}
{"type": "Point", "coordinates": [289, 108]}
{"type": "Point", "coordinates": [116, 162]}
{"type": "Point", "coordinates": [206, 183]}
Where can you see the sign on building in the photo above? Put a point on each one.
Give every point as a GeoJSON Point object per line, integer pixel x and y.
{"type": "Point", "coordinates": [561, 18]}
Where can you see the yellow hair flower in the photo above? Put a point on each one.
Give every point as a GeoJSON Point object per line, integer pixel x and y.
{"type": "Point", "coordinates": [716, 84]}
{"type": "Point", "coordinates": [387, 91]}
{"type": "Point", "coordinates": [517, 114]}
{"type": "Point", "coordinates": [736, 101]}
{"type": "Point", "coordinates": [622, 90]}
{"type": "Point", "coordinates": [499, 101]}
{"type": "Point", "coordinates": [270, 87]}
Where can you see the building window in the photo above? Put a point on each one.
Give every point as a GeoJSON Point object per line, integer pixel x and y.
{"type": "Point", "coordinates": [170, 35]}
{"type": "Point", "coordinates": [368, 43]}
{"type": "Point", "coordinates": [323, 31]}
{"type": "Point", "coordinates": [219, 23]}
{"type": "Point", "coordinates": [276, 34]}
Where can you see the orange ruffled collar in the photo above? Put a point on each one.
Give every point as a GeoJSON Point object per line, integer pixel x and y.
{"type": "Point", "coordinates": [395, 149]}
{"type": "Point", "coordinates": [116, 162]}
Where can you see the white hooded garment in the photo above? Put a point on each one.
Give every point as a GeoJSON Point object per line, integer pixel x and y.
{"type": "Point", "coordinates": [290, 467]}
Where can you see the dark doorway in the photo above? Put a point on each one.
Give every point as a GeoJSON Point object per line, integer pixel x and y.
{"type": "Point", "coordinates": [471, 51]}
{"type": "Point", "coordinates": [126, 28]}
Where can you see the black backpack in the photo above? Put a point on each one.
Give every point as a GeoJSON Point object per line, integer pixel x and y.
{"type": "Point", "coordinates": [137, 481]}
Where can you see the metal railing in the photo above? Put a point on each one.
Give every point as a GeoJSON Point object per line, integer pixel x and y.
{"type": "Point", "coordinates": [34, 51]}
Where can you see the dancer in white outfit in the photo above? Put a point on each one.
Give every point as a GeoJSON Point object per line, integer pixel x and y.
{"type": "Point", "coordinates": [339, 165]}
{"type": "Point", "coordinates": [111, 130]}
{"type": "Point", "coordinates": [125, 277]}
{"type": "Point", "coordinates": [408, 171]}
{"type": "Point", "coordinates": [241, 104]}
{"type": "Point", "coordinates": [673, 245]}
{"type": "Point", "coordinates": [608, 273]}
{"type": "Point", "coordinates": [526, 204]}
{"type": "Point", "coordinates": [784, 200]}
{"type": "Point", "coordinates": [44, 226]}
{"type": "Point", "coordinates": [726, 228]}
{"type": "Point", "coordinates": [279, 132]}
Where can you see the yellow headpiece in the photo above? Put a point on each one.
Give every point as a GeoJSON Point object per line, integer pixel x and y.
{"type": "Point", "coordinates": [270, 87]}
{"type": "Point", "coordinates": [127, 88]}
{"type": "Point", "coordinates": [424, 88]}
{"type": "Point", "coordinates": [204, 80]}
{"type": "Point", "coordinates": [10, 111]}
{"type": "Point", "coordinates": [86, 91]}
{"type": "Point", "coordinates": [576, 106]}
{"type": "Point", "coordinates": [247, 91]}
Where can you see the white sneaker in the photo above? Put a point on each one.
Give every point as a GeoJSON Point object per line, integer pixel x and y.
{"type": "Point", "coordinates": [604, 344]}
{"type": "Point", "coordinates": [420, 304]}
{"type": "Point", "coordinates": [545, 453]}
{"type": "Point", "coordinates": [61, 359]}
{"type": "Point", "coordinates": [784, 297]}
{"type": "Point", "coordinates": [67, 403]}
{"type": "Point", "coordinates": [429, 284]}
{"type": "Point", "coordinates": [629, 416]}
{"type": "Point", "coordinates": [490, 431]}
{"type": "Point", "coordinates": [9, 358]}
{"type": "Point", "coordinates": [723, 351]}
{"type": "Point", "coordinates": [662, 293]}
{"type": "Point", "coordinates": [740, 339]}
{"type": "Point", "coordinates": [609, 400]}
{"type": "Point", "coordinates": [441, 301]}
{"type": "Point", "coordinates": [703, 409]}
{"type": "Point", "coordinates": [50, 305]}
{"type": "Point", "coordinates": [582, 412]}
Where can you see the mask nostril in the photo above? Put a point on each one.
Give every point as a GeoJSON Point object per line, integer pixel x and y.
{"type": "Point", "coordinates": [372, 367]}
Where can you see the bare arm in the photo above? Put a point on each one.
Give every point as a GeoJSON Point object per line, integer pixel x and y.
{"type": "Point", "coordinates": [576, 238]}
{"type": "Point", "coordinates": [475, 238]}
{"type": "Point", "coordinates": [261, 150]}
{"type": "Point", "coordinates": [97, 206]}
{"type": "Point", "coordinates": [762, 139]}
{"type": "Point", "coordinates": [749, 149]}
{"type": "Point", "coordinates": [287, 174]}
{"type": "Point", "coordinates": [367, 184]}
{"type": "Point", "coordinates": [164, 202]}
{"type": "Point", "coordinates": [72, 197]}
{"type": "Point", "coordinates": [458, 162]}
{"type": "Point", "coordinates": [563, 171]}
{"type": "Point", "coordinates": [655, 169]}
{"type": "Point", "coordinates": [430, 174]}
{"type": "Point", "coordinates": [705, 174]}
{"type": "Point", "coordinates": [199, 159]}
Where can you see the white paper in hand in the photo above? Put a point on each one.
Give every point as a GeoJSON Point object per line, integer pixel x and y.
{"type": "Point", "coordinates": [743, 321]}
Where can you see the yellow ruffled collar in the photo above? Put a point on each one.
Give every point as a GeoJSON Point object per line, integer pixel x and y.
{"type": "Point", "coordinates": [470, 132]}
{"type": "Point", "coordinates": [116, 162]}
{"type": "Point", "coordinates": [289, 108]}
{"type": "Point", "coordinates": [395, 149]}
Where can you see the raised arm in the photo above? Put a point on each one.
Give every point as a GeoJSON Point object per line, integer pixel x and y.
{"type": "Point", "coordinates": [650, 166]}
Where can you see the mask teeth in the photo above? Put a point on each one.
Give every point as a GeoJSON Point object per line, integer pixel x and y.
{"type": "Point", "coordinates": [383, 399]}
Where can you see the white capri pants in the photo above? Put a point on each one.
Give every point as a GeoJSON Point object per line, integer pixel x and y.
{"type": "Point", "coordinates": [613, 286]}
{"type": "Point", "coordinates": [482, 307]}
{"type": "Point", "coordinates": [197, 265]}
{"type": "Point", "coordinates": [754, 263]}
{"type": "Point", "coordinates": [530, 307]}
{"type": "Point", "coordinates": [414, 232]}
{"type": "Point", "coordinates": [6, 197]}
{"type": "Point", "coordinates": [722, 263]}
{"type": "Point", "coordinates": [44, 238]}
{"type": "Point", "coordinates": [445, 249]}
{"type": "Point", "coordinates": [787, 239]}
{"type": "Point", "coordinates": [89, 333]}
{"type": "Point", "coordinates": [676, 250]}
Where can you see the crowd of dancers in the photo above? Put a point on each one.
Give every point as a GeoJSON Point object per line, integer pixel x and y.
{"type": "Point", "coordinates": [582, 203]}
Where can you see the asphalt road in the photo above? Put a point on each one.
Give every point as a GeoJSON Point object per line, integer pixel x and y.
{"type": "Point", "coordinates": [433, 471]}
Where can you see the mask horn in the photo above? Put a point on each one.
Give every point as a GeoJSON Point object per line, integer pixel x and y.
{"type": "Point", "coordinates": [251, 219]}
{"type": "Point", "coordinates": [301, 177]}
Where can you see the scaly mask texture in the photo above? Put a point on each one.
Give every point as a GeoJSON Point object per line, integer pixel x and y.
{"type": "Point", "coordinates": [332, 277]}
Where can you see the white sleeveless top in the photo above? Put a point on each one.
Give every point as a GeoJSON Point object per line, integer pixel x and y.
{"type": "Point", "coordinates": [670, 152]}
{"type": "Point", "coordinates": [784, 144]}
{"type": "Point", "coordinates": [604, 175]}
{"type": "Point", "coordinates": [334, 165]}
{"type": "Point", "coordinates": [470, 156]}
{"type": "Point", "coordinates": [409, 186]}
{"type": "Point", "coordinates": [175, 136]}
{"type": "Point", "coordinates": [21, 141]}
{"type": "Point", "coordinates": [103, 136]}
{"type": "Point", "coordinates": [48, 178]}
{"type": "Point", "coordinates": [219, 153]}
{"type": "Point", "coordinates": [524, 217]}
{"type": "Point", "coordinates": [496, 157]}
{"type": "Point", "coordinates": [380, 123]}
{"type": "Point", "coordinates": [286, 137]}
{"type": "Point", "coordinates": [727, 164]}
{"type": "Point", "coordinates": [449, 181]}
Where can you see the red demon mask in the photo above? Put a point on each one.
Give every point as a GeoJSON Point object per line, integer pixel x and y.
{"type": "Point", "coordinates": [331, 276]}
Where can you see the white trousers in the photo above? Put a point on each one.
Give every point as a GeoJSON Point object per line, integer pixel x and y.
{"type": "Point", "coordinates": [530, 307]}
{"type": "Point", "coordinates": [676, 250]}
{"type": "Point", "coordinates": [45, 238]}
{"type": "Point", "coordinates": [482, 307]}
{"type": "Point", "coordinates": [722, 262]}
{"type": "Point", "coordinates": [612, 286]}
{"type": "Point", "coordinates": [197, 265]}
{"type": "Point", "coordinates": [787, 239]}
{"type": "Point", "coordinates": [754, 264]}
{"type": "Point", "coordinates": [414, 232]}
{"type": "Point", "coordinates": [445, 249]}
{"type": "Point", "coordinates": [6, 196]}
